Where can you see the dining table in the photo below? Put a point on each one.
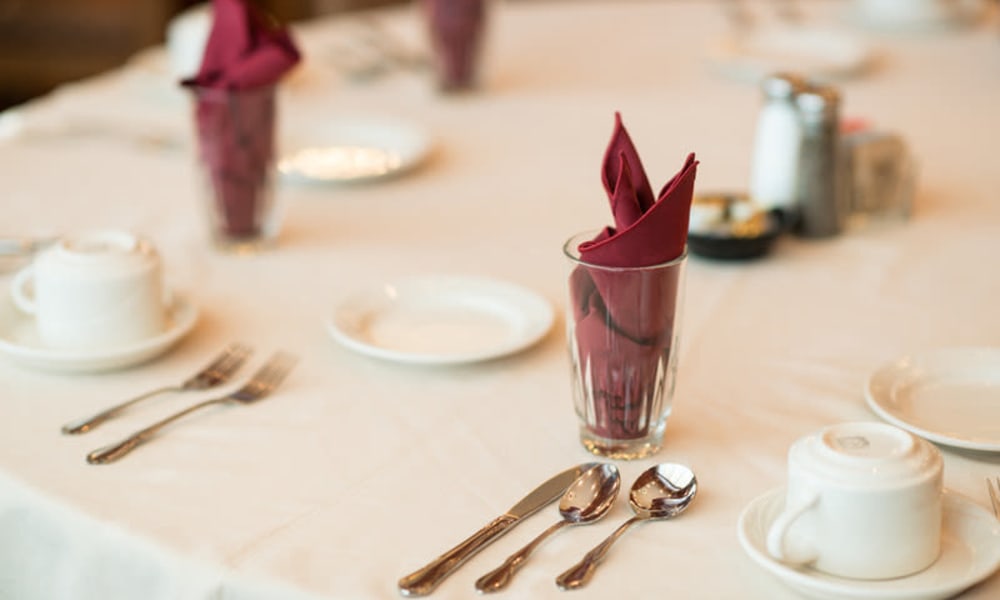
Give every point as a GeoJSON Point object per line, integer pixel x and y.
{"type": "Point", "coordinates": [363, 467]}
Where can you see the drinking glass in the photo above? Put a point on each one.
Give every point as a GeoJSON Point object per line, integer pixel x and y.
{"type": "Point", "coordinates": [623, 331]}
{"type": "Point", "coordinates": [236, 131]}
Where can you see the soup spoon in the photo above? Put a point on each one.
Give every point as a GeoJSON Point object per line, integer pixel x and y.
{"type": "Point", "coordinates": [660, 492]}
{"type": "Point", "coordinates": [588, 499]}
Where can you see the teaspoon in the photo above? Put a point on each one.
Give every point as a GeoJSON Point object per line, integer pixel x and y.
{"type": "Point", "coordinates": [588, 499]}
{"type": "Point", "coordinates": [660, 492]}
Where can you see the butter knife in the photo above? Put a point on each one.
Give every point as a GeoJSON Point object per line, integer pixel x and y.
{"type": "Point", "coordinates": [423, 581]}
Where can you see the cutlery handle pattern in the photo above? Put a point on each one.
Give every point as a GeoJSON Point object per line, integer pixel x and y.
{"type": "Point", "coordinates": [579, 574]}
{"type": "Point", "coordinates": [86, 424]}
{"type": "Point", "coordinates": [498, 578]}
{"type": "Point", "coordinates": [115, 451]}
{"type": "Point", "coordinates": [423, 581]}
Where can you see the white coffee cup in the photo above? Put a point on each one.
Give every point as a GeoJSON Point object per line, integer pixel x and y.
{"type": "Point", "coordinates": [186, 38]}
{"type": "Point", "coordinates": [98, 289]}
{"type": "Point", "coordinates": [863, 501]}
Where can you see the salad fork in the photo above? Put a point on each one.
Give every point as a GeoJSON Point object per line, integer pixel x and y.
{"type": "Point", "coordinates": [994, 487]}
{"type": "Point", "coordinates": [217, 372]}
{"type": "Point", "coordinates": [263, 382]}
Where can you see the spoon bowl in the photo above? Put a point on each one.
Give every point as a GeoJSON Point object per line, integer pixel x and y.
{"type": "Point", "coordinates": [590, 497]}
{"type": "Point", "coordinates": [586, 500]}
{"type": "Point", "coordinates": [660, 492]}
{"type": "Point", "coordinates": [663, 491]}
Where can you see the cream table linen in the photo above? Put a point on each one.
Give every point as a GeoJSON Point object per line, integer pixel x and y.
{"type": "Point", "coordinates": [358, 470]}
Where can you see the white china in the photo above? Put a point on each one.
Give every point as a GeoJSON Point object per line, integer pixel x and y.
{"type": "Point", "coordinates": [94, 289]}
{"type": "Point", "coordinates": [186, 37]}
{"type": "Point", "coordinates": [20, 343]}
{"type": "Point", "coordinates": [820, 53]}
{"type": "Point", "coordinates": [970, 552]}
{"type": "Point", "coordinates": [351, 150]}
{"type": "Point", "coordinates": [441, 320]}
{"type": "Point", "coordinates": [863, 501]}
{"type": "Point", "coordinates": [949, 396]}
{"type": "Point", "coordinates": [912, 15]}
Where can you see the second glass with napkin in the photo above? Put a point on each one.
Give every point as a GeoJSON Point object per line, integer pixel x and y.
{"type": "Point", "coordinates": [245, 58]}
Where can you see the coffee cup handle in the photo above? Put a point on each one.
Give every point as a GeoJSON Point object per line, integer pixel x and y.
{"type": "Point", "coordinates": [776, 546]}
{"type": "Point", "coordinates": [22, 299]}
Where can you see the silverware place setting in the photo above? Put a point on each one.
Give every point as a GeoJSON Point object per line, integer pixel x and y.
{"type": "Point", "coordinates": [219, 371]}
{"type": "Point", "coordinates": [424, 580]}
{"type": "Point", "coordinates": [260, 385]}
{"type": "Point", "coordinates": [660, 492]}
{"type": "Point", "coordinates": [588, 499]}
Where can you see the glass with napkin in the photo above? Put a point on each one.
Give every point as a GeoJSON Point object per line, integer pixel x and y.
{"type": "Point", "coordinates": [625, 291]}
{"type": "Point", "coordinates": [455, 29]}
{"type": "Point", "coordinates": [235, 112]}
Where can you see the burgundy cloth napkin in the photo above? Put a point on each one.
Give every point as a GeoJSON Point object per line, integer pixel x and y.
{"type": "Point", "coordinates": [245, 56]}
{"type": "Point", "coordinates": [245, 49]}
{"type": "Point", "coordinates": [624, 321]}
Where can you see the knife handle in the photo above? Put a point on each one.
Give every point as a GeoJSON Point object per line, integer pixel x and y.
{"type": "Point", "coordinates": [423, 581]}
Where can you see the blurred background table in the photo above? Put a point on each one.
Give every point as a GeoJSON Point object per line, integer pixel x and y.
{"type": "Point", "coordinates": [359, 470]}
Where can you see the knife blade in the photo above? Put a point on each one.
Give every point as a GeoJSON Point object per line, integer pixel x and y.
{"type": "Point", "coordinates": [423, 581]}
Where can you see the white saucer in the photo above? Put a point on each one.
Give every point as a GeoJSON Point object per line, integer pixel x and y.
{"type": "Point", "coordinates": [818, 53]}
{"type": "Point", "coordinates": [949, 396]}
{"type": "Point", "coordinates": [441, 320]}
{"type": "Point", "coordinates": [954, 16]}
{"type": "Point", "coordinates": [351, 150]}
{"type": "Point", "coordinates": [19, 342]}
{"type": "Point", "coordinates": [970, 552]}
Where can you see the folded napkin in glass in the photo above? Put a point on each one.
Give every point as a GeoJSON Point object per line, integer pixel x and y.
{"type": "Point", "coordinates": [624, 293]}
{"type": "Point", "coordinates": [246, 56]}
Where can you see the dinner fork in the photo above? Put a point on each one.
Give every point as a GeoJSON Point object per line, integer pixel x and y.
{"type": "Point", "coordinates": [217, 372]}
{"type": "Point", "coordinates": [263, 382]}
{"type": "Point", "coordinates": [994, 487]}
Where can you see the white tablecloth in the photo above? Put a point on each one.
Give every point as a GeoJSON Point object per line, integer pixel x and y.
{"type": "Point", "coordinates": [360, 470]}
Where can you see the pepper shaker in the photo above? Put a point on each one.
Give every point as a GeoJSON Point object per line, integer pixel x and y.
{"type": "Point", "coordinates": [820, 193]}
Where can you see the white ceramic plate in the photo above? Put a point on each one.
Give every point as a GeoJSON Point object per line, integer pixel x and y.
{"type": "Point", "coordinates": [441, 320]}
{"type": "Point", "coordinates": [949, 396]}
{"type": "Point", "coordinates": [351, 150]}
{"type": "Point", "coordinates": [970, 552]}
{"type": "Point", "coordinates": [20, 343]}
{"type": "Point", "coordinates": [819, 53]}
{"type": "Point", "coordinates": [901, 18]}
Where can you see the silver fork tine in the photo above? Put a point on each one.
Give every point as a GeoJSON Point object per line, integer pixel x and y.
{"type": "Point", "coordinates": [220, 370]}
{"type": "Point", "coordinates": [266, 378]}
{"type": "Point", "coordinates": [994, 488]}
{"type": "Point", "coordinates": [263, 382]}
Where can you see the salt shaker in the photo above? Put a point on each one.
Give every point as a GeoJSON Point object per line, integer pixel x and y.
{"type": "Point", "coordinates": [777, 144]}
{"type": "Point", "coordinates": [820, 193]}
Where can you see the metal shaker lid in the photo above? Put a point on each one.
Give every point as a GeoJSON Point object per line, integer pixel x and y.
{"type": "Point", "coordinates": [818, 101]}
{"type": "Point", "coordinates": [782, 85]}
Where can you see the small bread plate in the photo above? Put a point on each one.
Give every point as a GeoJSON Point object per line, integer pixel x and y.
{"type": "Point", "coordinates": [20, 343]}
{"type": "Point", "coordinates": [970, 552]}
{"type": "Point", "coordinates": [441, 320]}
{"type": "Point", "coordinates": [351, 150]}
{"type": "Point", "coordinates": [816, 53]}
{"type": "Point", "coordinates": [950, 396]}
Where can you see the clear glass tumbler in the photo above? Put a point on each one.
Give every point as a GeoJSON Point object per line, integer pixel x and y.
{"type": "Point", "coordinates": [623, 332]}
{"type": "Point", "coordinates": [236, 132]}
